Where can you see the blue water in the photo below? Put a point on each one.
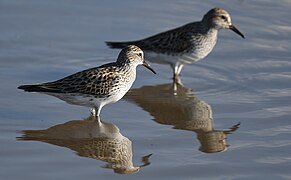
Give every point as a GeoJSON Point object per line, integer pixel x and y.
{"type": "Point", "coordinates": [241, 91]}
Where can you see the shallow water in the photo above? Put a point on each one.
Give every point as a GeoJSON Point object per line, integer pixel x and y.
{"type": "Point", "coordinates": [231, 120]}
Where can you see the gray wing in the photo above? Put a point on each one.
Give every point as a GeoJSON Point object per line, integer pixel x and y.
{"type": "Point", "coordinates": [175, 40]}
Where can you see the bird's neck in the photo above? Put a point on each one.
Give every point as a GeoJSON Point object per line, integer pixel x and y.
{"type": "Point", "coordinates": [208, 26]}
{"type": "Point", "coordinates": [128, 68]}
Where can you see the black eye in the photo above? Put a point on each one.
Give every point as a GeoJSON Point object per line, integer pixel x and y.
{"type": "Point", "coordinates": [223, 17]}
{"type": "Point", "coordinates": [140, 54]}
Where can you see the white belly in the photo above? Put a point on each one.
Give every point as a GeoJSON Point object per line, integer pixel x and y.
{"type": "Point", "coordinates": [90, 100]}
{"type": "Point", "coordinates": [198, 52]}
{"type": "Point", "coordinates": [160, 58]}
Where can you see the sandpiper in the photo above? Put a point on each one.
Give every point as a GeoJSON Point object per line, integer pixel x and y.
{"type": "Point", "coordinates": [186, 44]}
{"type": "Point", "coordinates": [97, 86]}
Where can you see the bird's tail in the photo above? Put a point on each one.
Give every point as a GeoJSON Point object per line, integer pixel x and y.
{"type": "Point", "coordinates": [32, 135]}
{"type": "Point", "coordinates": [119, 45]}
{"type": "Point", "coordinates": [33, 88]}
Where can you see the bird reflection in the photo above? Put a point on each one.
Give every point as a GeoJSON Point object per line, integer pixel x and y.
{"type": "Point", "coordinates": [91, 138]}
{"type": "Point", "coordinates": [173, 104]}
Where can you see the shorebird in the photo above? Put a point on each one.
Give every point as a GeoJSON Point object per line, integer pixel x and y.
{"type": "Point", "coordinates": [186, 44]}
{"type": "Point", "coordinates": [97, 86]}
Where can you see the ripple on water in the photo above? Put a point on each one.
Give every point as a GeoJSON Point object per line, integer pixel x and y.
{"type": "Point", "coordinates": [250, 80]}
{"type": "Point", "coordinates": [274, 160]}
{"type": "Point", "coordinates": [245, 81]}
{"type": "Point", "coordinates": [272, 131]}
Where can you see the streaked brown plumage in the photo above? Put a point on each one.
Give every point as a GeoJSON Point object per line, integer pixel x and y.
{"type": "Point", "coordinates": [97, 86]}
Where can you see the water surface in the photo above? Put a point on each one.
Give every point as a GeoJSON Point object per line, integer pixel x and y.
{"type": "Point", "coordinates": [230, 120]}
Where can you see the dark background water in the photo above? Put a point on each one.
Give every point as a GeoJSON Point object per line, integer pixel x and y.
{"type": "Point", "coordinates": [241, 81]}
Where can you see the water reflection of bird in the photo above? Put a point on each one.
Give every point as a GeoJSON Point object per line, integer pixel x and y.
{"type": "Point", "coordinates": [173, 104]}
{"type": "Point", "coordinates": [94, 139]}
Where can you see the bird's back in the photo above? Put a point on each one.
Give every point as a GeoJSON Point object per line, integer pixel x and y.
{"type": "Point", "coordinates": [94, 81]}
{"type": "Point", "coordinates": [174, 40]}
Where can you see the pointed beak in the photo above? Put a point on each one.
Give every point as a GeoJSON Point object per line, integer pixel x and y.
{"type": "Point", "coordinates": [234, 29]}
{"type": "Point", "coordinates": [149, 67]}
